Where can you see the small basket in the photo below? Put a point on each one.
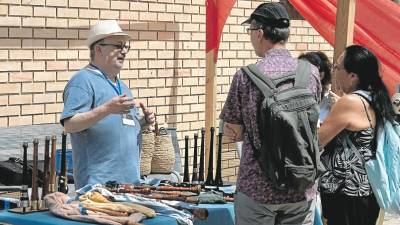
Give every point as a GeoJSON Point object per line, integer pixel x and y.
{"type": "Point", "coordinates": [147, 151]}
{"type": "Point", "coordinates": [164, 155]}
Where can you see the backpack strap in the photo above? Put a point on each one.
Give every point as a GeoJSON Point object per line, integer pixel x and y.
{"type": "Point", "coordinates": [303, 73]}
{"type": "Point", "coordinates": [264, 83]}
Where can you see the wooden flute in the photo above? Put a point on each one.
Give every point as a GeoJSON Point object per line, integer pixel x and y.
{"type": "Point", "coordinates": [195, 169]}
{"type": "Point", "coordinates": [62, 179]}
{"type": "Point", "coordinates": [201, 166]}
{"type": "Point", "coordinates": [186, 166]}
{"type": "Point", "coordinates": [210, 172]}
{"type": "Point", "coordinates": [35, 191]}
{"type": "Point", "coordinates": [129, 187]}
{"type": "Point", "coordinates": [24, 189]}
{"type": "Point", "coordinates": [52, 181]}
{"type": "Point", "coordinates": [218, 174]}
{"type": "Point", "coordinates": [45, 188]}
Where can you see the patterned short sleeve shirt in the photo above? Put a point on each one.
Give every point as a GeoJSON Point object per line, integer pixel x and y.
{"type": "Point", "coordinates": [241, 108]}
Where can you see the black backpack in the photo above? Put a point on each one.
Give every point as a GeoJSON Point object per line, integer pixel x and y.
{"type": "Point", "coordinates": [289, 154]}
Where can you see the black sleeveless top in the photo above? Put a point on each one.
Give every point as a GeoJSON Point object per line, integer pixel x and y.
{"type": "Point", "coordinates": [344, 158]}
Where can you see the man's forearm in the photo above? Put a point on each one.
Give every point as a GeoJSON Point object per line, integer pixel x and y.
{"type": "Point", "coordinates": [83, 121]}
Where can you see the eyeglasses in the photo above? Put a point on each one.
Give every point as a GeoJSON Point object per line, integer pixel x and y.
{"type": "Point", "coordinates": [118, 46]}
{"type": "Point", "coordinates": [248, 30]}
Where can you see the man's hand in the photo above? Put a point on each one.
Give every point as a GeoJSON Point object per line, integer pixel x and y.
{"type": "Point", "coordinates": [233, 132]}
{"type": "Point", "coordinates": [120, 105]}
{"type": "Point", "coordinates": [149, 116]}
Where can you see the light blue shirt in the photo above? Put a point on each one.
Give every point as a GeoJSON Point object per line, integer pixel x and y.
{"type": "Point", "coordinates": [109, 150]}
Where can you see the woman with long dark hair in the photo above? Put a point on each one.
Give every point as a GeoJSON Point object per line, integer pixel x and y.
{"type": "Point", "coordinates": [349, 137]}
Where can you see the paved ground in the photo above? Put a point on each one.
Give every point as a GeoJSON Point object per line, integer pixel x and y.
{"type": "Point", "coordinates": [391, 219]}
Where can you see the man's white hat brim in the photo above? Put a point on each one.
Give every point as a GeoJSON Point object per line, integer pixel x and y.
{"type": "Point", "coordinates": [93, 39]}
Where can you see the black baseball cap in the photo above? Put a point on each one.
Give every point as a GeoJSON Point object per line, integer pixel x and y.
{"type": "Point", "coordinates": [271, 14]}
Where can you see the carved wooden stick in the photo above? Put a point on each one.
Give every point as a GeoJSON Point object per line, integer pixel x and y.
{"type": "Point", "coordinates": [35, 191]}
{"type": "Point", "coordinates": [201, 167]}
{"type": "Point", "coordinates": [210, 174]}
{"type": "Point", "coordinates": [52, 181]}
{"type": "Point", "coordinates": [195, 169]}
{"type": "Point", "coordinates": [45, 188]}
{"type": "Point", "coordinates": [186, 166]}
{"type": "Point", "coordinates": [62, 179]}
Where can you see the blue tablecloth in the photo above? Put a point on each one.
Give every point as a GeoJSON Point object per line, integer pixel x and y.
{"type": "Point", "coordinates": [218, 214]}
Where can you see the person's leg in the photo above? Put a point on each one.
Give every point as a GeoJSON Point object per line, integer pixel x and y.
{"type": "Point", "coordinates": [299, 213]}
{"type": "Point", "coordinates": [341, 209]}
{"type": "Point", "coordinates": [365, 210]}
{"type": "Point", "coordinates": [250, 212]}
{"type": "Point", "coordinates": [334, 209]}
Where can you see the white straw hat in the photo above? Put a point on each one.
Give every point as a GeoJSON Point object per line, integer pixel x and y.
{"type": "Point", "coordinates": [103, 29]}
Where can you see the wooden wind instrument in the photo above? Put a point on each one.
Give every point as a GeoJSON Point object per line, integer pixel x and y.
{"type": "Point", "coordinates": [186, 166]}
{"type": "Point", "coordinates": [129, 187]}
{"type": "Point", "coordinates": [218, 175]}
{"type": "Point", "coordinates": [35, 191]}
{"type": "Point", "coordinates": [62, 179]}
{"type": "Point", "coordinates": [45, 188]}
{"type": "Point", "coordinates": [195, 169]}
{"type": "Point", "coordinates": [24, 189]}
{"type": "Point", "coordinates": [201, 167]}
{"type": "Point", "coordinates": [52, 181]}
{"type": "Point", "coordinates": [210, 173]}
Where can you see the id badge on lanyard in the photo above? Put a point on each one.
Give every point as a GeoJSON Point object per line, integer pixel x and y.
{"type": "Point", "coordinates": [127, 119]}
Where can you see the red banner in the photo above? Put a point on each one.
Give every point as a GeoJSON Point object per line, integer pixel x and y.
{"type": "Point", "coordinates": [217, 11]}
{"type": "Point", "coordinates": [377, 27]}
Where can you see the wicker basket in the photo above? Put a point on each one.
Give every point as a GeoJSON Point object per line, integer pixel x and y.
{"type": "Point", "coordinates": [147, 151]}
{"type": "Point", "coordinates": [164, 154]}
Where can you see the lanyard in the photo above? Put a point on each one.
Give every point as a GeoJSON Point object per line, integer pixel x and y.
{"type": "Point", "coordinates": [118, 90]}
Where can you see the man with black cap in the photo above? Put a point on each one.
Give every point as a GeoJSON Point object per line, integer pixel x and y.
{"type": "Point", "coordinates": [257, 201]}
{"type": "Point", "coordinates": [100, 112]}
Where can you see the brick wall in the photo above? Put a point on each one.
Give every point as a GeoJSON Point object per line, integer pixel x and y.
{"type": "Point", "coordinates": [42, 45]}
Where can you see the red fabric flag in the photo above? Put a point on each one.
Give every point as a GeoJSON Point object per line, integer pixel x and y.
{"type": "Point", "coordinates": [217, 11]}
{"type": "Point", "coordinates": [376, 27]}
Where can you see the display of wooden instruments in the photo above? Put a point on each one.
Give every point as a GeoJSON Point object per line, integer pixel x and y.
{"type": "Point", "coordinates": [35, 199]}
{"type": "Point", "coordinates": [210, 172]}
{"type": "Point", "coordinates": [195, 169]}
{"type": "Point", "coordinates": [186, 166]}
{"type": "Point", "coordinates": [62, 179]}
{"type": "Point", "coordinates": [201, 166]}
{"type": "Point", "coordinates": [34, 204]}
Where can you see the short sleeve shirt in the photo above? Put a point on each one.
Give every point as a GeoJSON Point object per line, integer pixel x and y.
{"type": "Point", "coordinates": [241, 108]}
{"type": "Point", "coordinates": [109, 150]}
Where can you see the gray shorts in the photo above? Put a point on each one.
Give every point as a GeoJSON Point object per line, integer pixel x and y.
{"type": "Point", "coordinates": [250, 212]}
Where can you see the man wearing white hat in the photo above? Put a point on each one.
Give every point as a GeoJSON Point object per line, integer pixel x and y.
{"type": "Point", "coordinates": [100, 113]}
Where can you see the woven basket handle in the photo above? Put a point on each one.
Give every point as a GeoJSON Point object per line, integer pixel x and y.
{"type": "Point", "coordinates": [162, 131]}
